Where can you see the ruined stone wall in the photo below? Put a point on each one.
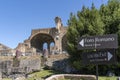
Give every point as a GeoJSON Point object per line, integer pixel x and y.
{"type": "Point", "coordinates": [25, 48]}
{"type": "Point", "coordinates": [5, 66]}
{"type": "Point", "coordinates": [59, 62]}
{"type": "Point", "coordinates": [31, 64]}
{"type": "Point", "coordinates": [26, 65]}
{"type": "Point", "coordinates": [52, 58]}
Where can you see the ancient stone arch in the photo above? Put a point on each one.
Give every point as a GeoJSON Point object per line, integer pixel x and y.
{"type": "Point", "coordinates": [54, 35]}
{"type": "Point", "coordinates": [38, 40]}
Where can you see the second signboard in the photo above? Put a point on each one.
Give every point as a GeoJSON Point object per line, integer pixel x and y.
{"type": "Point", "coordinates": [99, 57]}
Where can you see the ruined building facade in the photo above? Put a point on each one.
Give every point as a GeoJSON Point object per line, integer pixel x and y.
{"type": "Point", "coordinates": [46, 41]}
{"type": "Point", "coordinates": [54, 38]}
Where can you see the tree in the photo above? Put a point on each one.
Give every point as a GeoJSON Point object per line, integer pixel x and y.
{"type": "Point", "coordinates": [110, 15]}
{"type": "Point", "coordinates": [87, 22]}
{"type": "Point", "coordinates": [90, 22]}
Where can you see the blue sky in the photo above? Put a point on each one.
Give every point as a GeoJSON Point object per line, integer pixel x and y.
{"type": "Point", "coordinates": [19, 17]}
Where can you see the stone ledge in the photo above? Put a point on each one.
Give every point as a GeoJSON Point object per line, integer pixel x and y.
{"type": "Point", "coordinates": [72, 77]}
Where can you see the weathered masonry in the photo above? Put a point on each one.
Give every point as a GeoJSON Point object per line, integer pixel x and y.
{"type": "Point", "coordinates": [54, 38]}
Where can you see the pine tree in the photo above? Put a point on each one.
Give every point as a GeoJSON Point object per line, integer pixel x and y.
{"type": "Point", "coordinates": [110, 15]}
{"type": "Point", "coordinates": [87, 22]}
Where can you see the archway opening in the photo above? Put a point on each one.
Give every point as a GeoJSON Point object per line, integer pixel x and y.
{"type": "Point", "coordinates": [42, 41]}
{"type": "Point", "coordinates": [45, 45]}
{"type": "Point", "coordinates": [52, 47]}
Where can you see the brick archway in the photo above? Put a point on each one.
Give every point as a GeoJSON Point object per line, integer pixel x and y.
{"type": "Point", "coordinates": [38, 40]}
{"type": "Point", "coordinates": [38, 37]}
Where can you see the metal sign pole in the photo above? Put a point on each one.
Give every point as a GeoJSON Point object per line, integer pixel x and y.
{"type": "Point", "coordinates": [96, 65]}
{"type": "Point", "coordinates": [97, 72]}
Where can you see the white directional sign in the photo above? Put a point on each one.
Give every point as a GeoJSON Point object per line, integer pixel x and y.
{"type": "Point", "coordinates": [99, 57]}
{"type": "Point", "coordinates": [82, 42]}
{"type": "Point", "coordinates": [98, 42]}
{"type": "Point", "coordinates": [109, 56]}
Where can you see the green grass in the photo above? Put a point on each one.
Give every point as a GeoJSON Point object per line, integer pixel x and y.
{"type": "Point", "coordinates": [107, 78]}
{"type": "Point", "coordinates": [42, 74]}
{"type": "Point", "coordinates": [6, 79]}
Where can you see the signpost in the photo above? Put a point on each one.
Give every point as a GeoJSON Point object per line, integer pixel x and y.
{"type": "Point", "coordinates": [98, 42]}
